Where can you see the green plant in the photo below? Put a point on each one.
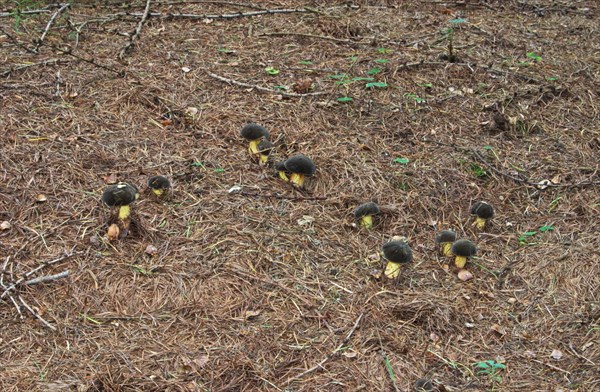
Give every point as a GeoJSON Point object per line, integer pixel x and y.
{"type": "Point", "coordinates": [415, 97]}
{"type": "Point", "coordinates": [478, 170]}
{"type": "Point", "coordinates": [534, 56]}
{"type": "Point", "coordinates": [491, 369]}
{"type": "Point", "coordinates": [271, 71]}
{"type": "Point", "coordinates": [20, 7]}
{"type": "Point", "coordinates": [402, 161]}
{"type": "Point", "coordinates": [542, 229]}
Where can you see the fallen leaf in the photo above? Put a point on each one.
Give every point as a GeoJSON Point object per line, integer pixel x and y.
{"type": "Point", "coordinates": [185, 69]}
{"type": "Point", "coordinates": [191, 111]}
{"type": "Point", "coordinates": [465, 275]}
{"type": "Point", "coordinates": [201, 361]}
{"type": "Point", "coordinates": [151, 250]}
{"type": "Point", "coordinates": [349, 354]}
{"type": "Point", "coordinates": [110, 179]}
{"type": "Point", "coordinates": [498, 329]}
{"type": "Point", "coordinates": [250, 314]}
{"type": "Point", "coordinates": [556, 354]}
{"type": "Point", "coordinates": [41, 198]}
{"type": "Point", "coordinates": [5, 225]}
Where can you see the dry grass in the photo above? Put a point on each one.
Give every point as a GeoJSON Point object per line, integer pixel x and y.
{"type": "Point", "coordinates": [240, 296]}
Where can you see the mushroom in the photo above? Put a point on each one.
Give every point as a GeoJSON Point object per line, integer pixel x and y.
{"type": "Point", "coordinates": [463, 249]}
{"type": "Point", "coordinates": [121, 195]}
{"type": "Point", "coordinates": [444, 239]}
{"type": "Point", "coordinates": [159, 185]}
{"type": "Point", "coordinates": [264, 149]}
{"type": "Point", "coordinates": [254, 133]}
{"type": "Point", "coordinates": [300, 167]}
{"type": "Point", "coordinates": [365, 213]}
{"type": "Point", "coordinates": [282, 171]}
{"type": "Point", "coordinates": [396, 252]}
{"type": "Point", "coordinates": [483, 211]}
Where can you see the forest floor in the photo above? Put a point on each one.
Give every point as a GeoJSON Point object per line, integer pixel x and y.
{"type": "Point", "coordinates": [239, 282]}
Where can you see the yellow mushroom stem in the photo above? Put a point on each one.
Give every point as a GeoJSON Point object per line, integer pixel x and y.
{"type": "Point", "coordinates": [297, 179]}
{"type": "Point", "coordinates": [392, 270]}
{"type": "Point", "coordinates": [253, 147]}
{"type": "Point", "coordinates": [460, 261]}
{"type": "Point", "coordinates": [283, 176]}
{"type": "Point", "coordinates": [124, 212]}
{"type": "Point", "coordinates": [366, 221]}
{"type": "Point", "coordinates": [264, 159]}
{"type": "Point", "coordinates": [479, 223]}
{"type": "Point", "coordinates": [447, 249]}
{"type": "Point", "coordinates": [158, 192]}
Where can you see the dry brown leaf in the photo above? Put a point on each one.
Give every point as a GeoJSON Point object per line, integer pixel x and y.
{"type": "Point", "coordinates": [498, 329]}
{"type": "Point", "coordinates": [349, 354]}
{"type": "Point", "coordinates": [250, 314]}
{"type": "Point", "coordinates": [465, 275]}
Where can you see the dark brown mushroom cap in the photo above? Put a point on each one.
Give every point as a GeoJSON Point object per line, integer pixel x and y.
{"type": "Point", "coordinates": [365, 209]}
{"type": "Point", "coordinates": [445, 236]}
{"type": "Point", "coordinates": [464, 248]}
{"type": "Point", "coordinates": [253, 131]}
{"type": "Point", "coordinates": [280, 166]}
{"type": "Point", "coordinates": [265, 147]}
{"type": "Point", "coordinates": [423, 385]}
{"type": "Point", "coordinates": [120, 194]}
{"type": "Point", "coordinates": [482, 209]}
{"type": "Point", "coordinates": [397, 252]}
{"type": "Point", "coordinates": [300, 164]}
{"type": "Point", "coordinates": [159, 182]}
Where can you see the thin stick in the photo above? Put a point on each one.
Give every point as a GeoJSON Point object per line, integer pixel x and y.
{"type": "Point", "coordinates": [47, 278]}
{"type": "Point", "coordinates": [259, 88]}
{"type": "Point", "coordinates": [47, 324]}
{"type": "Point", "coordinates": [25, 66]}
{"type": "Point", "coordinates": [331, 355]}
{"type": "Point", "coordinates": [137, 32]}
{"type": "Point", "coordinates": [33, 271]}
{"type": "Point", "coordinates": [40, 41]}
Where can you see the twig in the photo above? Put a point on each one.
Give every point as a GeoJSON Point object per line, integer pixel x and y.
{"type": "Point", "coordinates": [137, 32]}
{"type": "Point", "coordinates": [331, 355]}
{"type": "Point", "coordinates": [33, 271]}
{"type": "Point", "coordinates": [268, 90]}
{"type": "Point", "coordinates": [36, 315]}
{"type": "Point", "coordinates": [47, 278]}
{"type": "Point", "coordinates": [40, 41]}
{"type": "Point", "coordinates": [306, 35]}
{"type": "Point", "coordinates": [25, 66]}
{"type": "Point", "coordinates": [278, 196]}
{"type": "Point", "coordinates": [214, 16]}
{"type": "Point", "coordinates": [69, 52]}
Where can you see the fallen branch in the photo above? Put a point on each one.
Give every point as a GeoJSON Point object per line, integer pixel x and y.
{"type": "Point", "coordinates": [214, 16]}
{"type": "Point", "coordinates": [47, 278]}
{"type": "Point", "coordinates": [36, 314]}
{"type": "Point", "coordinates": [137, 32]}
{"type": "Point", "coordinates": [259, 88]}
{"type": "Point", "coordinates": [40, 41]}
{"type": "Point", "coordinates": [331, 355]}
{"type": "Point", "coordinates": [33, 271]}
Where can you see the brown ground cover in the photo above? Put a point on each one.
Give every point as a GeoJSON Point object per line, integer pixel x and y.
{"type": "Point", "coordinates": [271, 288]}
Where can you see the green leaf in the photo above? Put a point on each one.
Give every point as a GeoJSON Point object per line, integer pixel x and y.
{"type": "Point", "coordinates": [552, 79]}
{"type": "Point", "coordinates": [305, 62]}
{"type": "Point", "coordinates": [389, 368]}
{"type": "Point", "coordinates": [402, 161]}
{"type": "Point", "coordinates": [271, 71]}
{"type": "Point", "coordinates": [529, 233]}
{"type": "Point", "coordinates": [219, 170]}
{"type": "Point", "coordinates": [226, 51]}
{"type": "Point", "coordinates": [385, 51]}
{"type": "Point", "coordinates": [382, 61]}
{"type": "Point", "coordinates": [488, 147]}
{"type": "Point", "coordinates": [198, 164]}
{"type": "Point", "coordinates": [281, 87]}
{"type": "Point", "coordinates": [482, 365]}
{"type": "Point", "coordinates": [534, 56]}
{"type": "Point", "coordinates": [376, 84]}
{"type": "Point", "coordinates": [427, 85]}
{"type": "Point", "coordinates": [360, 79]}
{"type": "Point", "coordinates": [545, 228]}
{"type": "Point", "coordinates": [344, 99]}
{"type": "Point", "coordinates": [373, 71]}
{"type": "Point", "coordinates": [458, 21]}
{"type": "Point", "coordinates": [338, 76]}
{"type": "Point", "coordinates": [499, 366]}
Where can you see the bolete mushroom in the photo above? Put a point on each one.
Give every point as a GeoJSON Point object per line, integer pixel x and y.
{"type": "Point", "coordinates": [159, 185]}
{"type": "Point", "coordinates": [254, 133]}
{"type": "Point", "coordinates": [365, 212]}
{"type": "Point", "coordinates": [396, 252]}
{"type": "Point", "coordinates": [300, 167]}
{"type": "Point", "coordinates": [264, 149]}
{"type": "Point", "coordinates": [120, 195]}
{"type": "Point", "coordinates": [483, 211]}
{"type": "Point", "coordinates": [444, 239]}
{"type": "Point", "coordinates": [282, 171]}
{"type": "Point", "coordinates": [463, 249]}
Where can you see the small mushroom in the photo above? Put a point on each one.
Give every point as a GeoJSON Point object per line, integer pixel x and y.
{"type": "Point", "coordinates": [463, 249]}
{"type": "Point", "coordinates": [483, 211]}
{"type": "Point", "coordinates": [396, 252]}
{"type": "Point", "coordinates": [121, 195]}
{"type": "Point", "coordinates": [444, 239]}
{"type": "Point", "coordinates": [365, 212]}
{"type": "Point", "coordinates": [282, 171]}
{"type": "Point", "coordinates": [264, 149]}
{"type": "Point", "coordinates": [254, 133]}
{"type": "Point", "coordinates": [159, 185]}
{"type": "Point", "coordinates": [300, 167]}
